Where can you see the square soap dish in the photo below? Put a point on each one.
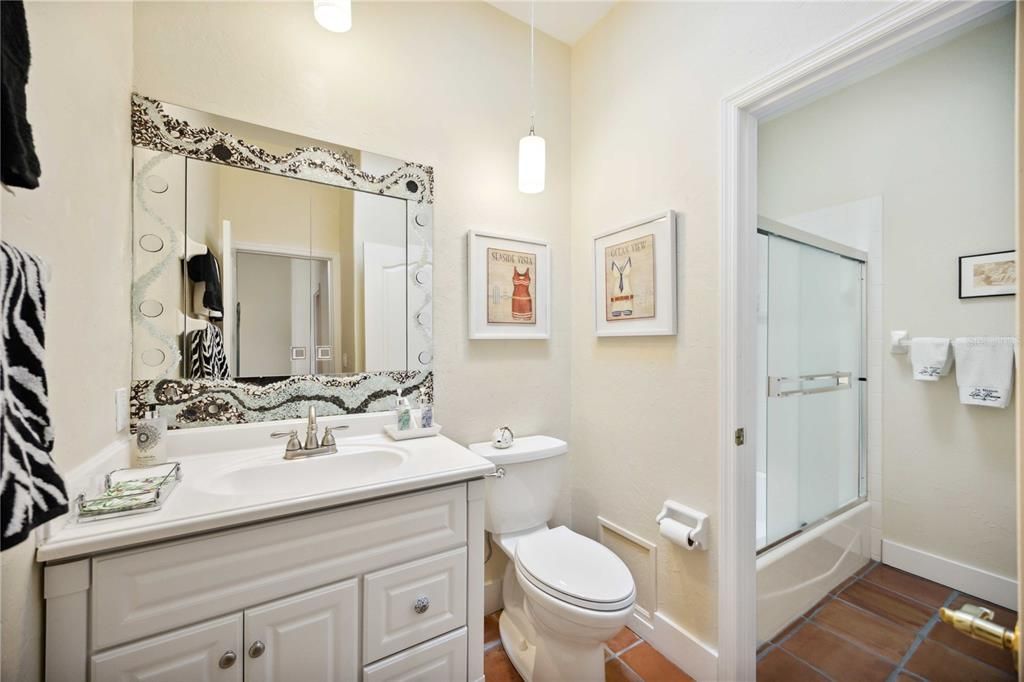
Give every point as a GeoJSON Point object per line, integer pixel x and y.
{"type": "Point", "coordinates": [131, 491]}
{"type": "Point", "coordinates": [407, 434]}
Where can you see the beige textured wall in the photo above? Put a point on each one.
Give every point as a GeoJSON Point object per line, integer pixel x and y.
{"type": "Point", "coordinates": [647, 85]}
{"type": "Point", "coordinates": [439, 83]}
{"type": "Point", "coordinates": [78, 221]}
{"type": "Point", "coordinates": [872, 139]}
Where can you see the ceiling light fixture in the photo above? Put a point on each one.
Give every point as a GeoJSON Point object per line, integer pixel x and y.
{"type": "Point", "coordinates": [531, 147]}
{"type": "Point", "coordinates": [334, 15]}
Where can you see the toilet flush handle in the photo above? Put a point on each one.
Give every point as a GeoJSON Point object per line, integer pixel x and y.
{"type": "Point", "coordinates": [498, 473]}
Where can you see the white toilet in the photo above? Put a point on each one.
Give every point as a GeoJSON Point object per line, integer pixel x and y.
{"type": "Point", "coordinates": [564, 594]}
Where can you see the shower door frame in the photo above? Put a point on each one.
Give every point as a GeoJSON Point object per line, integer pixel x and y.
{"type": "Point", "coordinates": [888, 37]}
{"type": "Point", "coordinates": [773, 228]}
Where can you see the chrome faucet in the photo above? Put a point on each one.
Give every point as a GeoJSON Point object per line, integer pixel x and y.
{"type": "Point", "coordinates": [313, 446]}
{"type": "Point", "coordinates": [312, 441]}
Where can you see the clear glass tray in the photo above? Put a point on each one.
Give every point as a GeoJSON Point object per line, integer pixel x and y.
{"type": "Point", "coordinates": [131, 491]}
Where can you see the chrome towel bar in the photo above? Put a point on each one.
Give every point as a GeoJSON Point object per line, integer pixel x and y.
{"type": "Point", "coordinates": [783, 387]}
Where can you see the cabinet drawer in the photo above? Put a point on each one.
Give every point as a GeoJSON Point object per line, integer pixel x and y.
{"type": "Point", "coordinates": [439, 660]}
{"type": "Point", "coordinates": [142, 592]}
{"type": "Point", "coordinates": [195, 653]}
{"type": "Point", "coordinates": [412, 603]}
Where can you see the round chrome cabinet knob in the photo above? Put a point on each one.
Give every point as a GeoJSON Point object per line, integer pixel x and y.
{"type": "Point", "coordinates": [227, 660]}
{"type": "Point", "coordinates": [421, 605]}
{"type": "Point", "coordinates": [257, 649]}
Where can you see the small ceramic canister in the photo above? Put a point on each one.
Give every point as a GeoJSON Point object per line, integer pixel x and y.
{"type": "Point", "coordinates": [502, 438]}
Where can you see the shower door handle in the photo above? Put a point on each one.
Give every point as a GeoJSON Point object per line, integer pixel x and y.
{"type": "Point", "coordinates": [788, 387]}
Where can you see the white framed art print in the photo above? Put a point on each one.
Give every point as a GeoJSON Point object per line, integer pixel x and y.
{"type": "Point", "coordinates": [635, 278]}
{"type": "Point", "coordinates": [509, 287]}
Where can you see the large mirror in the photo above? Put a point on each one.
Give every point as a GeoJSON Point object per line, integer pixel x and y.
{"type": "Point", "coordinates": [261, 255]}
{"type": "Point", "coordinates": [307, 278]}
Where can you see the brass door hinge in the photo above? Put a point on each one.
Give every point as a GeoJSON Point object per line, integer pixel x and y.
{"type": "Point", "coordinates": [741, 436]}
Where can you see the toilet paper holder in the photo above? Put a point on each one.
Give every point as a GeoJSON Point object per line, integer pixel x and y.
{"type": "Point", "coordinates": [684, 526]}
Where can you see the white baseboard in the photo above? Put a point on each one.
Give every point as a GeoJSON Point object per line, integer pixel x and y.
{"type": "Point", "coordinates": [693, 656]}
{"type": "Point", "coordinates": [492, 595]}
{"type": "Point", "coordinates": [974, 581]}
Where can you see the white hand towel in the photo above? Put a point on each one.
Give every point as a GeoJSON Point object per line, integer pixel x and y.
{"type": "Point", "coordinates": [984, 370]}
{"type": "Point", "coordinates": [930, 358]}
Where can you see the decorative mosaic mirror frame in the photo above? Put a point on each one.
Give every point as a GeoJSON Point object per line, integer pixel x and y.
{"type": "Point", "coordinates": [191, 402]}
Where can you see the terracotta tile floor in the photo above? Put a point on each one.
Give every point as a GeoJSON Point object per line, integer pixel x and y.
{"type": "Point", "coordinates": [883, 624]}
{"type": "Point", "coordinates": [628, 659]}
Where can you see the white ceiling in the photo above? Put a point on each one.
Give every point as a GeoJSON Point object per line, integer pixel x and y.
{"type": "Point", "coordinates": [565, 20]}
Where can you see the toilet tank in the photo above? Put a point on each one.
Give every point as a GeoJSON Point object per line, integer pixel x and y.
{"type": "Point", "coordinates": [526, 496]}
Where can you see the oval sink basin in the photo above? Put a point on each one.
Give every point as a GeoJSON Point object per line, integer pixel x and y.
{"type": "Point", "coordinates": [297, 477]}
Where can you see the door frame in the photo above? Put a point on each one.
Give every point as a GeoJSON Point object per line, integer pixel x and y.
{"type": "Point", "coordinates": [890, 36]}
{"type": "Point", "coordinates": [332, 259]}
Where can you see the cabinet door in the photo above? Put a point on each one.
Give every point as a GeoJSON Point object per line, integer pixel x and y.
{"type": "Point", "coordinates": [207, 652]}
{"type": "Point", "coordinates": [311, 636]}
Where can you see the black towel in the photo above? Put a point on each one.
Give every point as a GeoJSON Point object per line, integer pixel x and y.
{"type": "Point", "coordinates": [19, 165]}
{"type": "Point", "coordinates": [205, 268]}
{"type": "Point", "coordinates": [31, 490]}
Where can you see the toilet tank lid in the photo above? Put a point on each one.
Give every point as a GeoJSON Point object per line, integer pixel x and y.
{"type": "Point", "coordinates": [525, 449]}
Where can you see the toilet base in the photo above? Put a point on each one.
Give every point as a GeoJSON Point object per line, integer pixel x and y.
{"type": "Point", "coordinates": [519, 650]}
{"type": "Point", "coordinates": [551, 664]}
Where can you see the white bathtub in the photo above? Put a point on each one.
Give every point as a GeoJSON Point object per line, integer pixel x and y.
{"type": "Point", "coordinates": [797, 574]}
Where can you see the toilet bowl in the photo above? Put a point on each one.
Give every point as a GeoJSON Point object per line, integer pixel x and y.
{"type": "Point", "coordinates": [564, 594]}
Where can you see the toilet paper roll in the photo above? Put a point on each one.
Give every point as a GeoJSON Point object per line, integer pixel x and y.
{"type": "Point", "coordinates": [678, 533]}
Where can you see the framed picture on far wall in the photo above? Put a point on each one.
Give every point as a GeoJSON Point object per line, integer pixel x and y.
{"type": "Point", "coordinates": [509, 287]}
{"type": "Point", "coordinates": [988, 274]}
{"type": "Point", "coordinates": [635, 278]}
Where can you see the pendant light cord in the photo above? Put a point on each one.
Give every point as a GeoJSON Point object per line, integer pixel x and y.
{"type": "Point", "coordinates": [533, 97]}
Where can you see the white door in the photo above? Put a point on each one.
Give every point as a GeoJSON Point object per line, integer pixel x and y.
{"type": "Point", "coordinates": [384, 306]}
{"type": "Point", "coordinates": [311, 636]}
{"type": "Point", "coordinates": [207, 652]}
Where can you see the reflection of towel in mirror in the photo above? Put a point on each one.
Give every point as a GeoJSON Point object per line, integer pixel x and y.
{"type": "Point", "coordinates": [31, 490]}
{"type": "Point", "coordinates": [20, 165]}
{"type": "Point", "coordinates": [205, 268]}
{"type": "Point", "coordinates": [206, 356]}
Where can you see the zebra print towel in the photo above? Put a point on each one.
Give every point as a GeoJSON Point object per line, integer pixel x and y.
{"type": "Point", "coordinates": [206, 356]}
{"type": "Point", "coordinates": [31, 491]}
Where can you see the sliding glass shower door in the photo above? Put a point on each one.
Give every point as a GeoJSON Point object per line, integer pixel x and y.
{"type": "Point", "coordinates": [812, 345]}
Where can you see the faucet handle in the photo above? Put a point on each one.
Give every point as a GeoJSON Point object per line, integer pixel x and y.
{"type": "Point", "coordinates": [329, 437]}
{"type": "Point", "coordinates": [293, 439]}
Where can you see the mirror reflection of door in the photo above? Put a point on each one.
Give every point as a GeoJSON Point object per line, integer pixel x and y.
{"type": "Point", "coordinates": [298, 297]}
{"type": "Point", "coordinates": [283, 311]}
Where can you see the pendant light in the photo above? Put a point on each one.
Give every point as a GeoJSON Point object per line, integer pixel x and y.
{"type": "Point", "coordinates": [531, 147]}
{"type": "Point", "coordinates": [334, 15]}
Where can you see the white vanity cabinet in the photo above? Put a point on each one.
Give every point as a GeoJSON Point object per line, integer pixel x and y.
{"type": "Point", "coordinates": [204, 652]}
{"type": "Point", "coordinates": [385, 590]}
{"type": "Point", "coordinates": [311, 636]}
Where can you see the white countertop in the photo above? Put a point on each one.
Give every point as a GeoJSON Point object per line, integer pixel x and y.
{"type": "Point", "coordinates": [200, 504]}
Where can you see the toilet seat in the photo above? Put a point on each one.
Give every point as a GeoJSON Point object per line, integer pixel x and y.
{"type": "Point", "coordinates": [576, 570]}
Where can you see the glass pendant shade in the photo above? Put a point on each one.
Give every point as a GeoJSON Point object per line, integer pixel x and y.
{"type": "Point", "coordinates": [334, 15]}
{"type": "Point", "coordinates": [531, 164]}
